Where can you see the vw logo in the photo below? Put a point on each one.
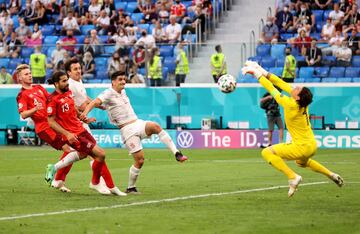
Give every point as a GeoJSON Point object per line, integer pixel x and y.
{"type": "Point", "coordinates": [185, 139]}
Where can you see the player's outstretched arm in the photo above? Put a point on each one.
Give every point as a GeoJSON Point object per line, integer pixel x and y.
{"type": "Point", "coordinates": [271, 77]}
{"type": "Point", "coordinates": [94, 103]}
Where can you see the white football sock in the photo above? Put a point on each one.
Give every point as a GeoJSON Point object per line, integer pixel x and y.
{"type": "Point", "coordinates": [69, 159]}
{"type": "Point", "coordinates": [166, 139]}
{"type": "Point", "coordinates": [133, 175]}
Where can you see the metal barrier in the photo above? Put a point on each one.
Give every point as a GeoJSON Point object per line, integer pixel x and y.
{"type": "Point", "coordinates": [243, 54]}
{"type": "Point", "coordinates": [252, 45]}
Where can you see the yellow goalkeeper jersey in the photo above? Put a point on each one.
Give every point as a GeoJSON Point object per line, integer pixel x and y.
{"type": "Point", "coordinates": [296, 119]}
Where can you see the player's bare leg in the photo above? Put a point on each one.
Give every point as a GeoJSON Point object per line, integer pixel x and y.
{"type": "Point", "coordinates": [155, 128]}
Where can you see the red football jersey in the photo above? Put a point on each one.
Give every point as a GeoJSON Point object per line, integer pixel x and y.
{"type": "Point", "coordinates": [63, 107]}
{"type": "Point", "coordinates": [28, 99]}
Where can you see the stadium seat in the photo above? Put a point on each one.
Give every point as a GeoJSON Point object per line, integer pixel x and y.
{"type": "Point", "coordinates": [137, 17]}
{"type": "Point", "coordinates": [26, 52]}
{"type": "Point", "coordinates": [300, 58]}
{"type": "Point", "coordinates": [145, 27]}
{"type": "Point", "coordinates": [170, 63]}
{"type": "Point", "coordinates": [14, 62]}
{"type": "Point", "coordinates": [299, 80]}
{"type": "Point", "coordinates": [276, 70]}
{"type": "Point", "coordinates": [85, 29]}
{"type": "Point", "coordinates": [326, 14]}
{"type": "Point", "coordinates": [328, 80]}
{"type": "Point", "coordinates": [187, 3]}
{"type": "Point", "coordinates": [312, 80]}
{"type": "Point", "coordinates": [94, 81]}
{"type": "Point", "coordinates": [286, 36]}
{"type": "Point", "coordinates": [165, 72]}
{"type": "Point", "coordinates": [120, 5]}
{"type": "Point", "coordinates": [263, 50]}
{"type": "Point", "coordinates": [109, 49]}
{"type": "Point", "coordinates": [352, 72]}
{"type": "Point", "coordinates": [166, 51]}
{"type": "Point", "coordinates": [51, 40]}
{"type": "Point", "coordinates": [106, 81]}
{"type": "Point", "coordinates": [4, 62]}
{"type": "Point", "coordinates": [101, 62]}
{"type": "Point", "coordinates": [101, 75]}
{"type": "Point", "coordinates": [344, 80]}
{"type": "Point", "coordinates": [321, 71]}
{"type": "Point", "coordinates": [255, 59]}
{"type": "Point", "coordinates": [278, 51]}
{"type": "Point", "coordinates": [280, 62]}
{"type": "Point", "coordinates": [103, 39]}
{"type": "Point", "coordinates": [268, 62]}
{"type": "Point", "coordinates": [337, 72]}
{"type": "Point", "coordinates": [319, 26]}
{"type": "Point", "coordinates": [47, 30]}
{"type": "Point", "coordinates": [15, 21]}
{"type": "Point", "coordinates": [356, 79]}
{"type": "Point", "coordinates": [356, 61]}
{"type": "Point", "coordinates": [131, 6]}
{"type": "Point", "coordinates": [318, 14]}
{"type": "Point", "coordinates": [317, 36]}
{"type": "Point", "coordinates": [306, 72]}
{"type": "Point", "coordinates": [49, 51]}
{"type": "Point", "coordinates": [80, 39]}
{"type": "Point", "coordinates": [49, 73]}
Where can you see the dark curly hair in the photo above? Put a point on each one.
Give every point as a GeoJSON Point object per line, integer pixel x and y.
{"type": "Point", "coordinates": [305, 97]}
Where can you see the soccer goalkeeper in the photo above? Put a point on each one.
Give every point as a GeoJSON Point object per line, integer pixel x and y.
{"type": "Point", "coordinates": [303, 145]}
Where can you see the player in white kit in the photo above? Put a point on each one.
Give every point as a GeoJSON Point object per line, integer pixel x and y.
{"type": "Point", "coordinates": [73, 70]}
{"type": "Point", "coordinates": [132, 129]}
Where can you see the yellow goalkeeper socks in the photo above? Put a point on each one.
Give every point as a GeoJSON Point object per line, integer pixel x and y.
{"type": "Point", "coordinates": [317, 167]}
{"type": "Point", "coordinates": [278, 163]}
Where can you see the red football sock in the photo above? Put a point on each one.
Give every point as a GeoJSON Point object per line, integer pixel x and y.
{"type": "Point", "coordinates": [61, 173]}
{"type": "Point", "coordinates": [97, 168]}
{"type": "Point", "coordinates": [105, 173]}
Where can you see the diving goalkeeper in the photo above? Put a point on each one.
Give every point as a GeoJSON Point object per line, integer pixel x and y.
{"type": "Point", "coordinates": [303, 145]}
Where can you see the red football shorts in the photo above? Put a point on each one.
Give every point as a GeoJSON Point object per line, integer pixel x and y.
{"type": "Point", "coordinates": [85, 144]}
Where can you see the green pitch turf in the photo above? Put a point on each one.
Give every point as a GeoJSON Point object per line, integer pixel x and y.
{"type": "Point", "coordinates": [199, 193]}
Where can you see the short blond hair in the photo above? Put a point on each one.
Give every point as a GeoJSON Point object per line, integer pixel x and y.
{"type": "Point", "coordinates": [21, 67]}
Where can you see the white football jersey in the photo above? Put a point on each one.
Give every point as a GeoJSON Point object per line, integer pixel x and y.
{"type": "Point", "coordinates": [79, 91]}
{"type": "Point", "coordinates": [118, 106]}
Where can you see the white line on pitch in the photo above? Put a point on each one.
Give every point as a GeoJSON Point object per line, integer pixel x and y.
{"type": "Point", "coordinates": [151, 202]}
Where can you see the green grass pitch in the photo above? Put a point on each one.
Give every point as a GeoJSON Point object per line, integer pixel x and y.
{"type": "Point", "coordinates": [214, 192]}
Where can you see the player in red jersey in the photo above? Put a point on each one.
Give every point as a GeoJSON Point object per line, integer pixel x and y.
{"type": "Point", "coordinates": [63, 118]}
{"type": "Point", "coordinates": [32, 103]}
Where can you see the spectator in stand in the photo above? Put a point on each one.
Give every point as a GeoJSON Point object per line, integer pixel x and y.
{"type": "Point", "coordinates": [284, 20]}
{"type": "Point", "coordinates": [22, 30]}
{"type": "Point", "coordinates": [280, 4]}
{"type": "Point", "coordinates": [85, 19]}
{"type": "Point", "coordinates": [163, 14]}
{"type": "Point", "coordinates": [38, 66]}
{"type": "Point", "coordinates": [88, 67]}
{"type": "Point", "coordinates": [94, 9]}
{"type": "Point", "coordinates": [149, 11]}
{"type": "Point", "coordinates": [34, 38]}
{"type": "Point", "coordinates": [147, 40]}
{"type": "Point", "coordinates": [86, 47]}
{"type": "Point", "coordinates": [28, 11]}
{"type": "Point", "coordinates": [158, 32]}
{"type": "Point", "coordinates": [155, 68]}
{"type": "Point", "coordinates": [53, 8]}
{"type": "Point", "coordinates": [334, 43]}
{"type": "Point", "coordinates": [133, 76]}
{"type": "Point", "coordinates": [39, 15]}
{"type": "Point", "coordinates": [322, 4]}
{"type": "Point", "coordinates": [353, 42]}
{"type": "Point", "coordinates": [328, 30]}
{"type": "Point", "coordinates": [3, 47]}
{"type": "Point", "coordinates": [139, 55]}
{"type": "Point", "coordinates": [102, 23]}
{"type": "Point", "coordinates": [14, 7]}
{"type": "Point", "coordinates": [114, 63]}
{"type": "Point", "coordinates": [80, 11]}
{"type": "Point", "coordinates": [57, 55]}
{"type": "Point", "coordinates": [304, 17]}
{"type": "Point", "coordinates": [302, 42]}
{"type": "Point", "coordinates": [14, 46]}
{"type": "Point", "coordinates": [120, 17]}
{"type": "Point", "coordinates": [166, 3]}
{"type": "Point", "coordinates": [344, 6]}
{"type": "Point", "coordinates": [5, 77]}
{"type": "Point", "coordinates": [69, 42]}
{"type": "Point", "coordinates": [65, 10]}
{"type": "Point", "coordinates": [352, 17]}
{"type": "Point", "coordinates": [5, 21]}
{"type": "Point", "coordinates": [8, 31]}
{"type": "Point", "coordinates": [313, 55]}
{"type": "Point", "coordinates": [173, 31]}
{"type": "Point", "coordinates": [178, 10]}
{"type": "Point", "coordinates": [270, 32]}
{"type": "Point", "coordinates": [121, 42]}
{"type": "Point", "coordinates": [70, 23]}
{"type": "Point", "coordinates": [194, 4]}
{"type": "Point", "coordinates": [95, 42]}
{"type": "Point", "coordinates": [109, 8]}
{"type": "Point", "coordinates": [336, 16]}
{"type": "Point", "coordinates": [140, 5]}
{"type": "Point", "coordinates": [198, 18]}
{"type": "Point", "coordinates": [343, 55]}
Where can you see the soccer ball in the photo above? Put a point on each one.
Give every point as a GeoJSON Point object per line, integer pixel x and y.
{"type": "Point", "coordinates": [227, 83]}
